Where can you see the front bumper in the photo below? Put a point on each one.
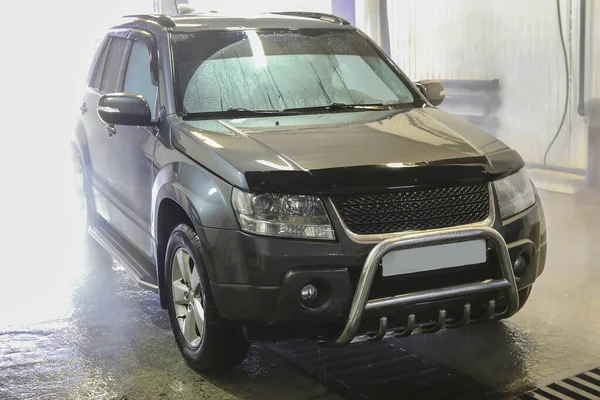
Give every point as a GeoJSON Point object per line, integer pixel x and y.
{"type": "Point", "coordinates": [361, 303]}
{"type": "Point", "coordinates": [256, 280]}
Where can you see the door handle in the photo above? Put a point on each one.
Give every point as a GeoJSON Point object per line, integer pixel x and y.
{"type": "Point", "coordinates": [83, 109]}
{"type": "Point", "coordinates": [111, 130]}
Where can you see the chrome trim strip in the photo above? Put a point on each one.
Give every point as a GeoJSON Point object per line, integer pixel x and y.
{"type": "Point", "coordinates": [412, 239]}
{"type": "Point", "coordinates": [378, 237]}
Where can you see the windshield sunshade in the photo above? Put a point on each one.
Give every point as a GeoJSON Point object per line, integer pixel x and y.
{"type": "Point", "coordinates": [281, 70]}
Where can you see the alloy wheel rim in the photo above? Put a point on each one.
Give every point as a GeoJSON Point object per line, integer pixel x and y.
{"type": "Point", "coordinates": [187, 297]}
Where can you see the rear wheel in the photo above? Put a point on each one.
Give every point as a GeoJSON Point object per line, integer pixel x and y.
{"type": "Point", "coordinates": [207, 342]}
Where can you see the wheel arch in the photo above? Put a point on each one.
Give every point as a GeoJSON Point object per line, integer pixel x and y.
{"type": "Point", "coordinates": [169, 215]}
{"type": "Point", "coordinates": [186, 193]}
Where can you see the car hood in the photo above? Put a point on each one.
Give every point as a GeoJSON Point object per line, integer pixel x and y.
{"type": "Point", "coordinates": [352, 151]}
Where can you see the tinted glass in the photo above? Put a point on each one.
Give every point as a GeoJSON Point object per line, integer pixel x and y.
{"type": "Point", "coordinates": [137, 78]}
{"type": "Point", "coordinates": [114, 59]}
{"type": "Point", "coordinates": [281, 69]}
{"type": "Point", "coordinates": [95, 76]}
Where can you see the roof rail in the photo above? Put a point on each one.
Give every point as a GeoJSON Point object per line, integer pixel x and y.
{"type": "Point", "coordinates": [161, 19]}
{"type": "Point", "coordinates": [315, 15]}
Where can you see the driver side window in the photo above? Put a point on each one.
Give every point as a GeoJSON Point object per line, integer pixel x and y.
{"type": "Point", "coordinates": [137, 77]}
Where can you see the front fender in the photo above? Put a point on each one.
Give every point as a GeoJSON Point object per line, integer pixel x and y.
{"type": "Point", "coordinates": [203, 196]}
{"type": "Point", "coordinates": [205, 199]}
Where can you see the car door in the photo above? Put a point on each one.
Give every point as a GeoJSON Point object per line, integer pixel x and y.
{"type": "Point", "coordinates": [130, 154]}
{"type": "Point", "coordinates": [105, 78]}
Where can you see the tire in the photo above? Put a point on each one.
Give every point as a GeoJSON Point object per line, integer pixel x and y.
{"type": "Point", "coordinates": [207, 342]}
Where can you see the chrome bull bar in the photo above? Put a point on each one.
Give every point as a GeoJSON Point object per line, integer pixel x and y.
{"type": "Point", "coordinates": [481, 230]}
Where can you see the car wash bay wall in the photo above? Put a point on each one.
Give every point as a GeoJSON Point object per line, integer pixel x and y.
{"type": "Point", "coordinates": [593, 49]}
{"type": "Point", "coordinates": [591, 93]}
{"type": "Point", "coordinates": [506, 54]}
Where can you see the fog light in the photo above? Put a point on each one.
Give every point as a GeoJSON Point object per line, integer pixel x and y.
{"type": "Point", "coordinates": [520, 266]}
{"type": "Point", "coordinates": [308, 294]}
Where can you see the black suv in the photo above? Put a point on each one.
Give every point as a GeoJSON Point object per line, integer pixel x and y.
{"type": "Point", "coordinates": [279, 177]}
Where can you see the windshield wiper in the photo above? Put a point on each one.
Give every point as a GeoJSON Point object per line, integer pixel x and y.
{"type": "Point", "coordinates": [334, 107]}
{"type": "Point", "coordinates": [243, 110]}
{"type": "Point", "coordinates": [237, 112]}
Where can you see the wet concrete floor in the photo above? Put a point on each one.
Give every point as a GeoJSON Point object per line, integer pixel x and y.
{"type": "Point", "coordinates": [557, 333]}
{"type": "Point", "coordinates": [74, 326]}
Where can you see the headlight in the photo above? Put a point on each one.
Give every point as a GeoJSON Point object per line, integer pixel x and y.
{"type": "Point", "coordinates": [515, 194]}
{"type": "Point", "coordinates": [297, 216]}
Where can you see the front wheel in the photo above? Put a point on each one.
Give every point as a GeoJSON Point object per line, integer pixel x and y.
{"type": "Point", "coordinates": [207, 342]}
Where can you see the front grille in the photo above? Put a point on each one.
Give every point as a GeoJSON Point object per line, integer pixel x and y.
{"type": "Point", "coordinates": [414, 209]}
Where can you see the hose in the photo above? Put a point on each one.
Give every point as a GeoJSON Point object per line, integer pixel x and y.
{"type": "Point", "coordinates": [568, 83]}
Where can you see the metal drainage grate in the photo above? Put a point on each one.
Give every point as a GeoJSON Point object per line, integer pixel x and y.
{"type": "Point", "coordinates": [583, 386]}
{"type": "Point", "coordinates": [379, 370]}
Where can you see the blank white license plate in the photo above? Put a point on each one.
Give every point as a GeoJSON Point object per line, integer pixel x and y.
{"type": "Point", "coordinates": [434, 257]}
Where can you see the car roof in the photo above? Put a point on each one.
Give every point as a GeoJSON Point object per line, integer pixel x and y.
{"type": "Point", "coordinates": [215, 21]}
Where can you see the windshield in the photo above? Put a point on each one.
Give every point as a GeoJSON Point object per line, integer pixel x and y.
{"type": "Point", "coordinates": [269, 70]}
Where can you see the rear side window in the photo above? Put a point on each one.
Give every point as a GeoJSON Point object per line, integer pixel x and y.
{"type": "Point", "coordinates": [114, 60]}
{"type": "Point", "coordinates": [137, 77]}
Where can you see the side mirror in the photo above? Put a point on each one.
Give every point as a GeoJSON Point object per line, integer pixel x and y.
{"type": "Point", "coordinates": [433, 91]}
{"type": "Point", "coordinates": [124, 109]}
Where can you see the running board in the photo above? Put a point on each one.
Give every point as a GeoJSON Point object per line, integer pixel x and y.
{"type": "Point", "coordinates": [129, 261]}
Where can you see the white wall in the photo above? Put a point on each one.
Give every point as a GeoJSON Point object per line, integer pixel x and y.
{"type": "Point", "coordinates": [367, 18]}
{"type": "Point", "coordinates": [594, 49]}
{"type": "Point", "coordinates": [512, 40]}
